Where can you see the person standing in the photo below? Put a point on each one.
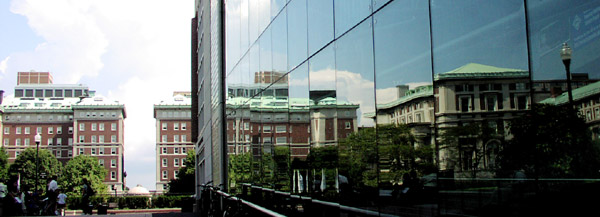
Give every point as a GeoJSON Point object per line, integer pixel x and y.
{"type": "Point", "coordinates": [86, 191]}
{"type": "Point", "coordinates": [51, 194]}
{"type": "Point", "coordinates": [61, 202]}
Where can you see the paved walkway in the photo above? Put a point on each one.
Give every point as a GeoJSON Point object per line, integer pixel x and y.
{"type": "Point", "coordinates": [137, 212]}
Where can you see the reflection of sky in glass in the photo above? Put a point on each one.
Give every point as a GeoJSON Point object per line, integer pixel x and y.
{"type": "Point", "coordinates": [298, 82]}
{"type": "Point", "coordinates": [320, 24]}
{"type": "Point", "coordinates": [265, 51]}
{"type": "Point", "coordinates": [349, 14]}
{"type": "Point", "coordinates": [297, 39]}
{"type": "Point", "coordinates": [279, 43]}
{"type": "Point", "coordinates": [402, 51]}
{"type": "Point", "coordinates": [354, 70]}
{"type": "Point", "coordinates": [553, 22]}
{"type": "Point", "coordinates": [276, 6]}
{"type": "Point", "coordinates": [321, 70]}
{"type": "Point", "coordinates": [496, 37]}
{"type": "Point", "coordinates": [233, 37]}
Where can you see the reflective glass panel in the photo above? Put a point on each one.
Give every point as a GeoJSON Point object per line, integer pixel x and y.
{"type": "Point", "coordinates": [297, 38]}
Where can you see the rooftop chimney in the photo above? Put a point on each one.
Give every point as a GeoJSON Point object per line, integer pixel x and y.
{"type": "Point", "coordinates": [402, 89]}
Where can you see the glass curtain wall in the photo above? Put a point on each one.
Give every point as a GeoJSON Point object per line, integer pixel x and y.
{"type": "Point", "coordinates": [411, 107]}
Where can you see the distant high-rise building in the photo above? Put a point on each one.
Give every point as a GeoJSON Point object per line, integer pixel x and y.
{"type": "Point", "coordinates": [173, 137]}
{"type": "Point", "coordinates": [71, 120]}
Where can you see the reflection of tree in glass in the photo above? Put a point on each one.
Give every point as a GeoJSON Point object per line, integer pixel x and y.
{"type": "Point", "coordinates": [471, 149]}
{"type": "Point", "coordinates": [551, 142]}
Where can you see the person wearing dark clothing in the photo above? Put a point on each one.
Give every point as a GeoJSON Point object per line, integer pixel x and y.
{"type": "Point", "coordinates": [87, 192]}
{"type": "Point", "coordinates": [11, 202]}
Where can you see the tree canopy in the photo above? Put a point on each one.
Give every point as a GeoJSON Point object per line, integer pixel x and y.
{"type": "Point", "coordinates": [551, 141]}
{"type": "Point", "coordinates": [3, 165]}
{"type": "Point", "coordinates": [25, 164]}
{"type": "Point", "coordinates": [186, 178]}
{"type": "Point", "coordinates": [83, 166]}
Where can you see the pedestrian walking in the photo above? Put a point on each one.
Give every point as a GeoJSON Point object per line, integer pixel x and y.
{"type": "Point", "coordinates": [61, 202]}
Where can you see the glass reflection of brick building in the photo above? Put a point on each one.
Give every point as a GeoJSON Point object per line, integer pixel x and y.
{"type": "Point", "coordinates": [259, 124]}
{"type": "Point", "coordinates": [473, 93]}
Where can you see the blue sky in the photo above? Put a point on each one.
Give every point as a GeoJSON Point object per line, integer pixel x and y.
{"type": "Point", "coordinates": [134, 51]}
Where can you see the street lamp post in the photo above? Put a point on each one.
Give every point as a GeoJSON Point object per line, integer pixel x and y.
{"type": "Point", "coordinates": [37, 139]}
{"type": "Point", "coordinates": [565, 55]}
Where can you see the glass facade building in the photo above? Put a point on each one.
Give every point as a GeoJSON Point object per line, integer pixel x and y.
{"type": "Point", "coordinates": [412, 107]}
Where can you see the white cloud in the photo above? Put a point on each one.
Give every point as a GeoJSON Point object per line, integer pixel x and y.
{"type": "Point", "coordinates": [3, 65]}
{"type": "Point", "coordinates": [135, 51]}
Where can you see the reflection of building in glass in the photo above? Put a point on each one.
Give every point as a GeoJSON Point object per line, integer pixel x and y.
{"type": "Point", "coordinates": [544, 89]}
{"type": "Point", "coordinates": [587, 100]}
{"type": "Point", "coordinates": [173, 137]}
{"type": "Point", "coordinates": [261, 123]}
{"type": "Point", "coordinates": [71, 121]}
{"type": "Point", "coordinates": [472, 94]}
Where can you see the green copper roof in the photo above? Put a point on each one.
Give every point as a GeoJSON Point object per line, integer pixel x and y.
{"type": "Point", "coordinates": [476, 70]}
{"type": "Point", "coordinates": [578, 94]}
{"type": "Point", "coordinates": [418, 92]}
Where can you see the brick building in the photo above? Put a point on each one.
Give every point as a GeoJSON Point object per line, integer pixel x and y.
{"type": "Point", "coordinates": [71, 121]}
{"type": "Point", "coordinates": [173, 137]}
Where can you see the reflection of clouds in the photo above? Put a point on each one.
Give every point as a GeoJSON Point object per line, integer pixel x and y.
{"type": "Point", "coordinates": [322, 79]}
{"type": "Point", "coordinates": [387, 95]}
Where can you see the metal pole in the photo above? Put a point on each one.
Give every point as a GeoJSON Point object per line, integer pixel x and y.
{"type": "Point", "coordinates": [37, 162]}
{"type": "Point", "coordinates": [567, 63]}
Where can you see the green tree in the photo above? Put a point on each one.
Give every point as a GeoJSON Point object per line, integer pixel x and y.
{"type": "Point", "coordinates": [3, 165]}
{"type": "Point", "coordinates": [551, 141]}
{"type": "Point", "coordinates": [83, 166]}
{"type": "Point", "coordinates": [186, 178]}
{"type": "Point", "coordinates": [25, 164]}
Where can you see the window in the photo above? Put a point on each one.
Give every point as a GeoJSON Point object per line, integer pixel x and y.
{"type": "Point", "coordinates": [101, 151]}
{"type": "Point", "coordinates": [70, 141]}
{"type": "Point", "coordinates": [113, 175]}
{"type": "Point", "coordinates": [183, 126]}
{"type": "Point", "coordinates": [165, 162]}
{"type": "Point", "coordinates": [267, 140]}
{"type": "Point", "coordinates": [164, 138]}
{"type": "Point", "coordinates": [27, 130]}
{"type": "Point", "coordinates": [348, 125]}
{"type": "Point", "coordinates": [113, 163]}
{"type": "Point", "coordinates": [113, 127]}
{"type": "Point", "coordinates": [246, 126]}
{"type": "Point", "coordinates": [50, 130]}
{"type": "Point", "coordinates": [94, 139]}
{"type": "Point", "coordinates": [18, 142]}
{"type": "Point", "coordinates": [175, 126]}
{"type": "Point", "coordinates": [113, 151]}
{"type": "Point", "coordinates": [183, 138]}
{"type": "Point", "coordinates": [176, 150]}
{"type": "Point", "coordinates": [175, 173]}
{"type": "Point", "coordinates": [182, 161]}
{"type": "Point", "coordinates": [465, 104]}
{"type": "Point", "coordinates": [175, 138]}
{"type": "Point", "coordinates": [58, 130]}
{"type": "Point", "coordinates": [101, 138]}
{"type": "Point", "coordinates": [81, 127]}
{"type": "Point", "coordinates": [164, 126]}
{"type": "Point", "coordinates": [164, 150]}
{"type": "Point", "coordinates": [50, 141]}
{"type": "Point", "coordinates": [17, 153]}
{"type": "Point", "coordinates": [70, 130]}
{"type": "Point", "coordinates": [101, 162]}
{"type": "Point", "coordinates": [280, 129]}
{"type": "Point", "coordinates": [93, 151]}
{"type": "Point", "coordinates": [176, 162]}
{"type": "Point", "coordinates": [183, 151]}
{"type": "Point", "coordinates": [80, 151]}
{"type": "Point", "coordinates": [58, 153]}
{"type": "Point", "coordinates": [113, 139]}
{"type": "Point", "coordinates": [18, 130]}
{"type": "Point", "coordinates": [58, 141]}
{"type": "Point", "coordinates": [81, 138]}
{"type": "Point", "coordinates": [26, 142]}
{"type": "Point", "coordinates": [266, 129]}
{"type": "Point", "coordinates": [94, 127]}
{"type": "Point", "coordinates": [6, 130]}
{"type": "Point", "coordinates": [101, 126]}
{"type": "Point", "coordinates": [70, 153]}
{"type": "Point", "coordinates": [164, 174]}
{"type": "Point", "coordinates": [281, 140]}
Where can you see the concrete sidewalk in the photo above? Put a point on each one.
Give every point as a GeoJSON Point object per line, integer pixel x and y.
{"type": "Point", "coordinates": [136, 212]}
